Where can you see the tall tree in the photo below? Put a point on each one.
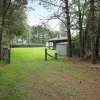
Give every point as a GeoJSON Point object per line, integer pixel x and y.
{"type": "Point", "coordinates": [68, 28]}
{"type": "Point", "coordinates": [92, 31]}
{"type": "Point", "coordinates": [5, 6]}
{"type": "Point", "coordinates": [61, 4]}
{"type": "Point", "coordinates": [98, 27]}
{"type": "Point", "coordinates": [80, 30]}
{"type": "Point", "coordinates": [16, 23]}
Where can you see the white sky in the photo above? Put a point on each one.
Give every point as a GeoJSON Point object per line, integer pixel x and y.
{"type": "Point", "coordinates": [39, 13]}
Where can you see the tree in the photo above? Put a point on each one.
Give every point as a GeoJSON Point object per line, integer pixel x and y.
{"type": "Point", "coordinates": [92, 31]}
{"type": "Point", "coordinates": [98, 27]}
{"type": "Point", "coordinates": [16, 22]}
{"type": "Point", "coordinates": [68, 28]}
{"type": "Point", "coordinates": [81, 23]}
{"type": "Point", "coordinates": [80, 31]}
{"type": "Point", "coordinates": [41, 33]}
{"type": "Point", "coordinates": [5, 6]}
{"type": "Point", "coordinates": [64, 4]}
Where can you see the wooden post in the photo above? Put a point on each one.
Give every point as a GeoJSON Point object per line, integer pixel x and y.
{"type": "Point", "coordinates": [8, 56]}
{"type": "Point", "coordinates": [55, 56]}
{"type": "Point", "coordinates": [46, 54]}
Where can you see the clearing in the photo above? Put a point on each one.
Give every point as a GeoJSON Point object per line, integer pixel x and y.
{"type": "Point", "coordinates": [29, 77]}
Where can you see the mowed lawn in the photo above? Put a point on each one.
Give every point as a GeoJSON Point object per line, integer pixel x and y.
{"type": "Point", "coordinates": [30, 77]}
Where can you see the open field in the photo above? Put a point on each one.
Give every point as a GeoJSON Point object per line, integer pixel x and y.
{"type": "Point", "coordinates": [29, 77]}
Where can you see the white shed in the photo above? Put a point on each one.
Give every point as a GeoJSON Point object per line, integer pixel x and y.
{"type": "Point", "coordinates": [62, 48]}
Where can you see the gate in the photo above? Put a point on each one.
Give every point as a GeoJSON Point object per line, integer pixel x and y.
{"type": "Point", "coordinates": [47, 54]}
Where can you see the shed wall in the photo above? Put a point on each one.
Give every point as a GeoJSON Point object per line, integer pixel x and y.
{"type": "Point", "coordinates": [61, 49]}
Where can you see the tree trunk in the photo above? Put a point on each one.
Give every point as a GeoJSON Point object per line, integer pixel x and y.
{"type": "Point", "coordinates": [0, 45]}
{"type": "Point", "coordinates": [68, 30]}
{"type": "Point", "coordinates": [4, 10]}
{"type": "Point", "coordinates": [92, 32]}
{"type": "Point", "coordinates": [98, 36]}
{"type": "Point", "coordinates": [85, 39]}
{"type": "Point", "coordinates": [1, 32]}
{"type": "Point", "coordinates": [42, 38]}
{"type": "Point", "coordinates": [97, 46]}
{"type": "Point", "coordinates": [2, 26]}
{"type": "Point", "coordinates": [80, 32]}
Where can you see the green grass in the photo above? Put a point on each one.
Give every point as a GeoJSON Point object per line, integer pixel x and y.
{"type": "Point", "coordinates": [30, 77]}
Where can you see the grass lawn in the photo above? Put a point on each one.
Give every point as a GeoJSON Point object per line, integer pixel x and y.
{"type": "Point", "coordinates": [29, 77]}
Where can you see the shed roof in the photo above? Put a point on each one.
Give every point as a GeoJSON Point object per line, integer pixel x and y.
{"type": "Point", "coordinates": [62, 43]}
{"type": "Point", "coordinates": [57, 39]}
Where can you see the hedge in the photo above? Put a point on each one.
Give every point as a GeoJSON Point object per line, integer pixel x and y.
{"type": "Point", "coordinates": [26, 45]}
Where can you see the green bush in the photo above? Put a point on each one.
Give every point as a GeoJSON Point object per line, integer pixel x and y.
{"type": "Point", "coordinates": [75, 42]}
{"type": "Point", "coordinates": [27, 45]}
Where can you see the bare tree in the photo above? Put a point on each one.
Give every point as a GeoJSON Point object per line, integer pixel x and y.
{"type": "Point", "coordinates": [63, 4]}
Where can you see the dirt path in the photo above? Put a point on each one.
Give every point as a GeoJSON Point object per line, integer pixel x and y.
{"type": "Point", "coordinates": [63, 86]}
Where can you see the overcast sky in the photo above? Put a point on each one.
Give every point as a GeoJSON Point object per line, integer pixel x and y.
{"type": "Point", "coordinates": [39, 13]}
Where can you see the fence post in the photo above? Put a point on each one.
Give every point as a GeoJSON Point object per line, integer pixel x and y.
{"type": "Point", "coordinates": [8, 56]}
{"type": "Point", "coordinates": [55, 56]}
{"type": "Point", "coordinates": [46, 54]}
